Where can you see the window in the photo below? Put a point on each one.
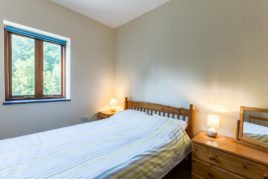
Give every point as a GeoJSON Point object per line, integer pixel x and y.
{"type": "Point", "coordinates": [34, 65]}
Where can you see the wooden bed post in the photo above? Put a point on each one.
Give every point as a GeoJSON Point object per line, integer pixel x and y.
{"type": "Point", "coordinates": [126, 104]}
{"type": "Point", "coordinates": [190, 121]}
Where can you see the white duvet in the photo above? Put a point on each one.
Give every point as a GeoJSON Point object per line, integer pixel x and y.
{"type": "Point", "coordinates": [127, 144]}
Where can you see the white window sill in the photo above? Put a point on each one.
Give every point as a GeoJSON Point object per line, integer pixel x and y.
{"type": "Point", "coordinates": [26, 101]}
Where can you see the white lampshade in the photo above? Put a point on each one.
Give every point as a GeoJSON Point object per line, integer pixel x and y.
{"type": "Point", "coordinates": [113, 104]}
{"type": "Point", "coordinates": [213, 121]}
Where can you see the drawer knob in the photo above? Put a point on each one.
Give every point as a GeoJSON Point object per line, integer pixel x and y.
{"type": "Point", "coordinates": [245, 166]}
{"type": "Point", "coordinates": [211, 157]}
{"type": "Point", "coordinates": [265, 176]}
{"type": "Point", "coordinates": [210, 175]}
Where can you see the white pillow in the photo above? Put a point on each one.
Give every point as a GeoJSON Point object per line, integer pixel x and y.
{"type": "Point", "coordinates": [128, 114]}
{"type": "Point", "coordinates": [131, 117]}
{"type": "Point", "coordinates": [181, 123]}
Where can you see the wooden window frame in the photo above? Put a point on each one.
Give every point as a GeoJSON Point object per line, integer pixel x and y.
{"type": "Point", "coordinates": [38, 70]}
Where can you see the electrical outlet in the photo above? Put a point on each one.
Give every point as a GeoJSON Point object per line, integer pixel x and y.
{"type": "Point", "coordinates": [83, 119]}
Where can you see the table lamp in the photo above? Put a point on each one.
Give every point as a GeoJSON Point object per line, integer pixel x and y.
{"type": "Point", "coordinates": [113, 104]}
{"type": "Point", "coordinates": [213, 122]}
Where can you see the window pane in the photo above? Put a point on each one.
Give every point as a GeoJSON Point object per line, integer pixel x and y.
{"type": "Point", "coordinates": [22, 66]}
{"type": "Point", "coordinates": [52, 69]}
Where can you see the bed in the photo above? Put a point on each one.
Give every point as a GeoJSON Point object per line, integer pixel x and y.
{"type": "Point", "coordinates": [130, 144]}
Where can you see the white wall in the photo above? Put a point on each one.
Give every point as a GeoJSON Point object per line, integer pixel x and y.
{"type": "Point", "coordinates": [92, 67]}
{"type": "Point", "coordinates": [213, 54]}
{"type": "Point", "coordinates": [209, 53]}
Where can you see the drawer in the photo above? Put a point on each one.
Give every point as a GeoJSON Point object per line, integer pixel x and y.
{"type": "Point", "coordinates": [204, 170]}
{"type": "Point", "coordinates": [231, 163]}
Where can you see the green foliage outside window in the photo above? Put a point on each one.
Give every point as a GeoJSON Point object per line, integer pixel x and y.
{"type": "Point", "coordinates": [52, 69]}
{"type": "Point", "coordinates": [23, 67]}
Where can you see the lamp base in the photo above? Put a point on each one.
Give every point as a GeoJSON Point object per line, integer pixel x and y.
{"type": "Point", "coordinates": [212, 132]}
{"type": "Point", "coordinates": [113, 109]}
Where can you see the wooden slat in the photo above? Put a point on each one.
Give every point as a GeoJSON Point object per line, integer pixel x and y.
{"type": "Point", "coordinates": [8, 59]}
{"type": "Point", "coordinates": [38, 68]}
{"type": "Point", "coordinates": [158, 107]}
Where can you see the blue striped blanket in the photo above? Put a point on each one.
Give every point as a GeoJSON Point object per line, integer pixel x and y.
{"type": "Point", "coordinates": [129, 144]}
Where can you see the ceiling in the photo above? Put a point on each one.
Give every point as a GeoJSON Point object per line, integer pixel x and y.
{"type": "Point", "coordinates": [113, 13]}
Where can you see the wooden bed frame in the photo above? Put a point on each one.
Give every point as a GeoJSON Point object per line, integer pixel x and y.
{"type": "Point", "coordinates": [163, 110]}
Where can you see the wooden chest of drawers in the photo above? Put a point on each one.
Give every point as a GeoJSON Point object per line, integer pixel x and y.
{"type": "Point", "coordinates": [223, 158]}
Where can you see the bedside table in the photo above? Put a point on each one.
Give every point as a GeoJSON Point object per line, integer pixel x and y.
{"type": "Point", "coordinates": [223, 157]}
{"type": "Point", "coordinates": [105, 114]}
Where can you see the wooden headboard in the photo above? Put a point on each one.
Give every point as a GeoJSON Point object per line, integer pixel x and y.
{"type": "Point", "coordinates": [163, 110]}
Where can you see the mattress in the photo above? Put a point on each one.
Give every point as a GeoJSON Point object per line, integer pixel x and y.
{"type": "Point", "coordinates": [129, 144]}
{"type": "Point", "coordinates": [256, 132]}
